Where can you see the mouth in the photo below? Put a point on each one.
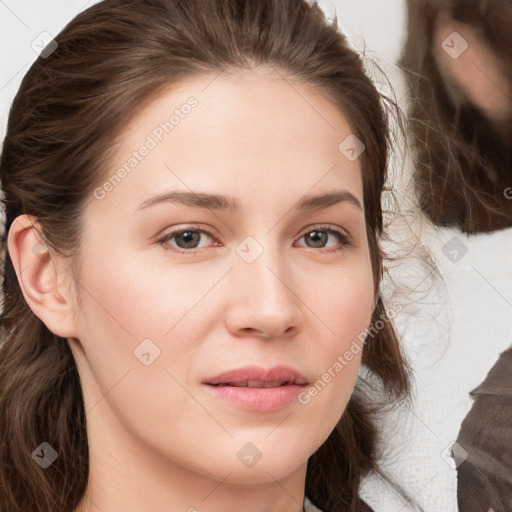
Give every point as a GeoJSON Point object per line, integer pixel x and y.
{"type": "Point", "coordinates": [260, 384]}
{"type": "Point", "coordinates": [258, 377]}
{"type": "Point", "coordinates": [257, 389]}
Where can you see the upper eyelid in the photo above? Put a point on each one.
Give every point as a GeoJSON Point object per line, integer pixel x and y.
{"type": "Point", "coordinates": [211, 232]}
{"type": "Point", "coordinates": [326, 227]}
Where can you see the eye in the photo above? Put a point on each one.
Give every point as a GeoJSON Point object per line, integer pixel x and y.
{"type": "Point", "coordinates": [319, 236]}
{"type": "Point", "coordinates": [186, 238]}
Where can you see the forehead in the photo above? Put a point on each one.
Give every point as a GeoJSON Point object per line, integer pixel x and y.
{"type": "Point", "coordinates": [250, 130]}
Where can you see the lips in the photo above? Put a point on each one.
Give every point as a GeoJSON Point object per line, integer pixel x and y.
{"type": "Point", "coordinates": [256, 377]}
{"type": "Point", "coordinates": [256, 384]}
{"type": "Point", "coordinates": [257, 389]}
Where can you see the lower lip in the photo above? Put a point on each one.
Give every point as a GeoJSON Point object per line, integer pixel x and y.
{"type": "Point", "coordinates": [257, 399]}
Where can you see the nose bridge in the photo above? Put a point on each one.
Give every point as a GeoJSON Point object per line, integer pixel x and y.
{"type": "Point", "coordinates": [263, 269]}
{"type": "Point", "coordinates": [263, 298]}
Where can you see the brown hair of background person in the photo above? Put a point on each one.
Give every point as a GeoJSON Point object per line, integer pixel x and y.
{"type": "Point", "coordinates": [111, 60]}
{"type": "Point", "coordinates": [457, 61]}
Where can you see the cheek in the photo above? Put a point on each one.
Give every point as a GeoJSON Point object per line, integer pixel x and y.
{"type": "Point", "coordinates": [144, 319]}
{"type": "Point", "coordinates": [133, 301]}
{"type": "Point", "coordinates": [348, 303]}
{"type": "Point", "coordinates": [125, 316]}
{"type": "Point", "coordinates": [347, 311]}
{"type": "Point", "coordinates": [127, 311]}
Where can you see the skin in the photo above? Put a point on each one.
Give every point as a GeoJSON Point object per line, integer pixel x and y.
{"type": "Point", "coordinates": [158, 441]}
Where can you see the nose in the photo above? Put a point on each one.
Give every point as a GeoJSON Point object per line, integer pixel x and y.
{"type": "Point", "coordinates": [264, 300]}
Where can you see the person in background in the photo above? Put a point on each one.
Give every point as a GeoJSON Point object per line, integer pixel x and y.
{"type": "Point", "coordinates": [457, 61]}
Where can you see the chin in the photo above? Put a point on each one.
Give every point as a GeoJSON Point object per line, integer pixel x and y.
{"type": "Point", "coordinates": [260, 461]}
{"type": "Point", "coordinates": [274, 468]}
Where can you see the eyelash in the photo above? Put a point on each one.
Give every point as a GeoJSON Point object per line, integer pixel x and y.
{"type": "Point", "coordinates": [342, 235]}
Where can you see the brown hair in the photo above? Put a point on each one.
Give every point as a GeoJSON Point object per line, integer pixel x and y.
{"type": "Point", "coordinates": [109, 62]}
{"type": "Point", "coordinates": [463, 159]}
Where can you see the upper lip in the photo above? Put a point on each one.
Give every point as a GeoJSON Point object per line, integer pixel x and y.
{"type": "Point", "coordinates": [254, 375]}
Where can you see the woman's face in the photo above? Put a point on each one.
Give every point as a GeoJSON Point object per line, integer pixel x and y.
{"type": "Point", "coordinates": [265, 282]}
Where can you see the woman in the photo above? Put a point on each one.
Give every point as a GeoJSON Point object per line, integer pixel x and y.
{"type": "Point", "coordinates": [193, 266]}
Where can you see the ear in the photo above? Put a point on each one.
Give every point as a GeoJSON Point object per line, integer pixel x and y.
{"type": "Point", "coordinates": [39, 273]}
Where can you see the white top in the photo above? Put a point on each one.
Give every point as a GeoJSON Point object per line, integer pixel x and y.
{"type": "Point", "coordinates": [309, 507]}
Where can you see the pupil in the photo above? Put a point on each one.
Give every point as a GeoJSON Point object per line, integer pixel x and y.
{"type": "Point", "coordinates": [190, 237]}
{"type": "Point", "coordinates": [318, 236]}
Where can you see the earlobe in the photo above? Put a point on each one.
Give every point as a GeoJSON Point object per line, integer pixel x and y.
{"type": "Point", "coordinates": [37, 272]}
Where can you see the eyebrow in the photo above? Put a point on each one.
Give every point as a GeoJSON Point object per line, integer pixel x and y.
{"type": "Point", "coordinates": [221, 202]}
